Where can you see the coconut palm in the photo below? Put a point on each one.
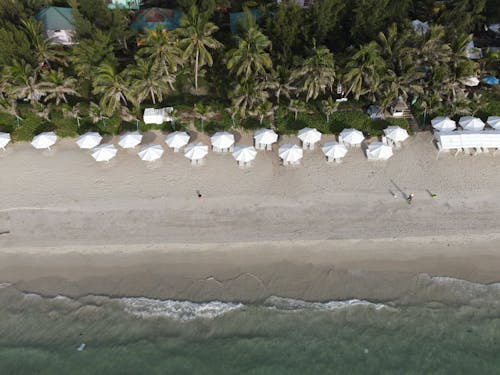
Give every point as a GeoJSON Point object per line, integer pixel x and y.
{"type": "Point", "coordinates": [329, 106]}
{"type": "Point", "coordinates": [97, 114]}
{"type": "Point", "coordinates": [278, 83]}
{"type": "Point", "coordinates": [264, 109]}
{"type": "Point", "coordinates": [72, 112]}
{"type": "Point", "coordinates": [162, 48]}
{"type": "Point", "coordinates": [44, 50]}
{"type": "Point", "coordinates": [246, 96]}
{"type": "Point", "coordinates": [21, 81]}
{"type": "Point", "coordinates": [112, 88]}
{"type": "Point", "coordinates": [57, 86]}
{"type": "Point", "coordinates": [297, 106]}
{"type": "Point", "coordinates": [196, 39]}
{"type": "Point", "coordinates": [203, 113]}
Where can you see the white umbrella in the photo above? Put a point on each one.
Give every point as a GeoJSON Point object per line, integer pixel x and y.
{"type": "Point", "coordinates": [222, 141]}
{"type": "Point", "coordinates": [89, 140]}
{"type": "Point", "coordinates": [196, 151]}
{"type": "Point", "coordinates": [244, 154]}
{"type": "Point", "coordinates": [130, 139]}
{"type": "Point", "coordinates": [494, 122]}
{"type": "Point", "coordinates": [334, 150]}
{"type": "Point", "coordinates": [351, 136]}
{"type": "Point", "coordinates": [4, 139]}
{"type": "Point", "coordinates": [44, 140]}
{"type": "Point", "coordinates": [151, 153]}
{"type": "Point", "coordinates": [442, 123]}
{"type": "Point", "coordinates": [290, 153]}
{"type": "Point", "coordinates": [471, 123]}
{"type": "Point", "coordinates": [104, 152]}
{"type": "Point", "coordinates": [309, 136]}
{"type": "Point", "coordinates": [378, 151]}
{"type": "Point", "coordinates": [264, 138]}
{"type": "Point", "coordinates": [470, 81]}
{"type": "Point", "coordinates": [176, 140]}
{"type": "Point", "coordinates": [396, 133]}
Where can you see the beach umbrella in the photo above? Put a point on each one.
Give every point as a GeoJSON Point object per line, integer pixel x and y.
{"type": "Point", "coordinates": [265, 137]}
{"type": "Point", "coordinates": [290, 153]}
{"type": "Point", "coordinates": [442, 123]}
{"type": "Point", "coordinates": [309, 136]}
{"type": "Point", "coordinates": [104, 152]}
{"type": "Point", "coordinates": [176, 140]}
{"type": "Point", "coordinates": [151, 153]}
{"type": "Point", "coordinates": [4, 140]}
{"type": "Point", "coordinates": [130, 139]}
{"type": "Point", "coordinates": [494, 122]}
{"type": "Point", "coordinates": [44, 140]}
{"type": "Point", "coordinates": [470, 81]}
{"type": "Point", "coordinates": [89, 140]}
{"type": "Point", "coordinates": [244, 154]}
{"type": "Point", "coordinates": [396, 133]}
{"type": "Point", "coordinates": [196, 151]}
{"type": "Point", "coordinates": [490, 80]}
{"type": "Point", "coordinates": [351, 136]}
{"type": "Point", "coordinates": [471, 123]}
{"type": "Point", "coordinates": [334, 150]}
{"type": "Point", "coordinates": [379, 151]}
{"type": "Point", "coordinates": [222, 141]}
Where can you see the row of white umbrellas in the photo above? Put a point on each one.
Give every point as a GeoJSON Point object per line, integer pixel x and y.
{"type": "Point", "coordinates": [442, 123]}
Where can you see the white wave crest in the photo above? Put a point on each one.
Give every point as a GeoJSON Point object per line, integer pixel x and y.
{"type": "Point", "coordinates": [290, 304]}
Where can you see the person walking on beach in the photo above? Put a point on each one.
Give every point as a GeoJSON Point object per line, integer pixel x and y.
{"type": "Point", "coordinates": [410, 198]}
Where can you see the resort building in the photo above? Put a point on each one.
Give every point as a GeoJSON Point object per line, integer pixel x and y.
{"type": "Point", "coordinates": [153, 18]}
{"type": "Point", "coordinates": [58, 24]}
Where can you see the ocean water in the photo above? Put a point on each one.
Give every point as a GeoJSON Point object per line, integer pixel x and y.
{"type": "Point", "coordinates": [447, 326]}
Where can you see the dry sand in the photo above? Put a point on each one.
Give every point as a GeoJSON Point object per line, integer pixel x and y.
{"type": "Point", "coordinates": [318, 231]}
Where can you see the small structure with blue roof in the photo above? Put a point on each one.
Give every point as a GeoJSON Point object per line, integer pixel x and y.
{"type": "Point", "coordinates": [58, 24]}
{"type": "Point", "coordinates": [152, 18]}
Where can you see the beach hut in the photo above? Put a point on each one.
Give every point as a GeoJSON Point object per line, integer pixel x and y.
{"type": "Point", "coordinates": [396, 134]}
{"type": "Point", "coordinates": [176, 140]}
{"type": "Point", "coordinates": [471, 123]}
{"type": "Point", "coordinates": [309, 137]}
{"type": "Point", "coordinates": [244, 155]}
{"type": "Point", "coordinates": [351, 137]}
{"type": "Point", "coordinates": [378, 151]}
{"type": "Point", "coordinates": [494, 122]}
{"type": "Point", "coordinates": [4, 140]}
{"type": "Point", "coordinates": [222, 142]}
{"type": "Point", "coordinates": [196, 152]}
{"type": "Point", "coordinates": [153, 18]}
{"type": "Point", "coordinates": [130, 140]}
{"type": "Point", "coordinates": [264, 139]}
{"type": "Point", "coordinates": [89, 140]}
{"type": "Point", "coordinates": [151, 153]}
{"type": "Point", "coordinates": [44, 140]}
{"type": "Point", "coordinates": [104, 152]}
{"type": "Point", "coordinates": [157, 115]}
{"type": "Point", "coordinates": [398, 108]}
{"type": "Point", "coordinates": [442, 123]}
{"type": "Point", "coordinates": [290, 154]}
{"type": "Point", "coordinates": [334, 151]}
{"type": "Point", "coordinates": [58, 24]}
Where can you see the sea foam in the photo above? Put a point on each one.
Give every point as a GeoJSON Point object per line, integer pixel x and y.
{"type": "Point", "coordinates": [290, 304]}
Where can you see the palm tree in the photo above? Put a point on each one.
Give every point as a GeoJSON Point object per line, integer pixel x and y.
{"type": "Point", "coordinates": [246, 96]}
{"type": "Point", "coordinates": [297, 106]}
{"type": "Point", "coordinates": [112, 87]}
{"type": "Point", "coordinates": [204, 113]}
{"type": "Point", "coordinates": [196, 33]}
{"type": "Point", "coordinates": [279, 83]}
{"type": "Point", "coordinates": [72, 112]}
{"type": "Point", "coordinates": [44, 50]}
{"type": "Point", "coordinates": [96, 114]}
{"type": "Point", "coordinates": [21, 82]}
{"type": "Point", "coordinates": [264, 109]}
{"type": "Point", "coordinates": [57, 86]}
{"type": "Point", "coordinates": [161, 47]}
{"type": "Point", "coordinates": [329, 106]}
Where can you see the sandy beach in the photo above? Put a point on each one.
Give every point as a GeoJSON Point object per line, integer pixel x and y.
{"type": "Point", "coordinates": [318, 231]}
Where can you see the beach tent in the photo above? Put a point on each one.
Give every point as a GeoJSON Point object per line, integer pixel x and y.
{"type": "Point", "coordinates": [378, 151]}
{"type": "Point", "coordinates": [157, 115]}
{"type": "Point", "coordinates": [471, 123]}
{"type": "Point", "coordinates": [494, 122]}
{"type": "Point", "coordinates": [4, 140]}
{"type": "Point", "coordinates": [244, 154]}
{"type": "Point", "coordinates": [334, 151]}
{"type": "Point", "coordinates": [396, 134]}
{"type": "Point", "coordinates": [196, 152]}
{"type": "Point", "coordinates": [351, 137]}
{"type": "Point", "coordinates": [222, 142]}
{"type": "Point", "coordinates": [44, 140]}
{"type": "Point", "coordinates": [104, 152]}
{"type": "Point", "coordinates": [58, 24]}
{"type": "Point", "coordinates": [130, 139]}
{"type": "Point", "coordinates": [264, 138]}
{"type": "Point", "coordinates": [151, 153]}
{"type": "Point", "coordinates": [470, 81]}
{"type": "Point", "coordinates": [153, 18]}
{"type": "Point", "coordinates": [89, 140]}
{"type": "Point", "coordinates": [290, 154]}
{"type": "Point", "coordinates": [176, 140]}
{"type": "Point", "coordinates": [490, 80]}
{"type": "Point", "coordinates": [309, 136]}
{"type": "Point", "coordinates": [443, 124]}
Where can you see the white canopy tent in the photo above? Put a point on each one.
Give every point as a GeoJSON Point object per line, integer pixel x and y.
{"type": "Point", "coordinates": [244, 155]}
{"type": "Point", "coordinates": [334, 151]}
{"type": "Point", "coordinates": [494, 122]}
{"type": "Point", "coordinates": [378, 151]}
{"type": "Point", "coordinates": [443, 124]}
{"type": "Point", "coordinates": [264, 139]}
{"type": "Point", "coordinates": [351, 137]}
{"type": "Point", "coordinates": [309, 137]}
{"type": "Point", "coordinates": [177, 140]}
{"type": "Point", "coordinates": [396, 134]}
{"type": "Point", "coordinates": [463, 140]}
{"type": "Point", "coordinates": [471, 123]}
{"type": "Point", "coordinates": [222, 142]}
{"type": "Point", "coordinates": [290, 154]}
{"type": "Point", "coordinates": [151, 153]}
{"type": "Point", "coordinates": [89, 140]}
{"type": "Point", "coordinates": [104, 152]}
{"type": "Point", "coordinates": [196, 152]}
{"type": "Point", "coordinates": [44, 140]}
{"type": "Point", "coordinates": [157, 115]}
{"type": "Point", "coordinates": [4, 140]}
{"type": "Point", "coordinates": [130, 139]}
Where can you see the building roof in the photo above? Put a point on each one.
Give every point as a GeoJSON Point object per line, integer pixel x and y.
{"type": "Point", "coordinates": [400, 105]}
{"type": "Point", "coordinates": [127, 4]}
{"type": "Point", "coordinates": [151, 18]}
{"type": "Point", "coordinates": [56, 18]}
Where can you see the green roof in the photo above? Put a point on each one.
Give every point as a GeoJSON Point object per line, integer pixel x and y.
{"type": "Point", "coordinates": [56, 18]}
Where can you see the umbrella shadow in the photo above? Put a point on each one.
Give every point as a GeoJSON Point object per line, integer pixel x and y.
{"type": "Point", "coordinates": [237, 136]}
{"type": "Point", "coordinates": [148, 137]}
{"type": "Point", "coordinates": [193, 136]}
{"type": "Point", "coordinates": [398, 189]}
{"type": "Point", "coordinates": [107, 139]}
